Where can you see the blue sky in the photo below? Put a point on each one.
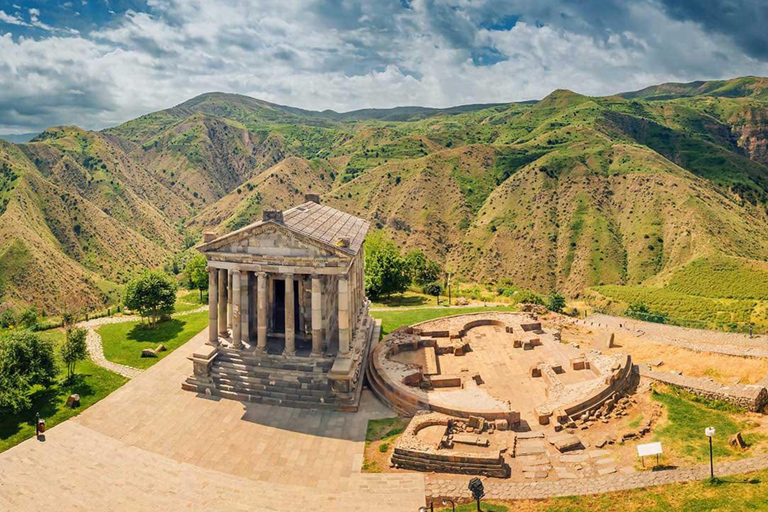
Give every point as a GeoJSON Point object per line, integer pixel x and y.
{"type": "Point", "coordinates": [96, 63]}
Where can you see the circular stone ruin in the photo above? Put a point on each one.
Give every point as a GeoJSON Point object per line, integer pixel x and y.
{"type": "Point", "coordinates": [496, 366]}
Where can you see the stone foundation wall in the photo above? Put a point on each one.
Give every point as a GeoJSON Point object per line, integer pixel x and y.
{"type": "Point", "coordinates": [749, 396]}
{"type": "Point", "coordinates": [412, 453]}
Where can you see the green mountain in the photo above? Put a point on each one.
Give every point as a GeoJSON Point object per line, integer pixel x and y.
{"type": "Point", "coordinates": [568, 193]}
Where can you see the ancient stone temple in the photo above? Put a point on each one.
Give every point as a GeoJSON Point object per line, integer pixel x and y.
{"type": "Point", "coordinates": [289, 321]}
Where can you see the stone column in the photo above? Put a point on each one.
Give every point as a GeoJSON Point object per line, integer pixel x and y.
{"type": "Point", "coordinates": [344, 330]}
{"type": "Point", "coordinates": [244, 307]}
{"type": "Point", "coordinates": [213, 306]}
{"type": "Point", "coordinates": [236, 326]}
{"type": "Point", "coordinates": [302, 326]}
{"type": "Point", "coordinates": [290, 330]}
{"type": "Point", "coordinates": [317, 316]}
{"type": "Point", "coordinates": [223, 302]}
{"type": "Point", "coordinates": [261, 311]}
{"type": "Point", "coordinates": [229, 302]}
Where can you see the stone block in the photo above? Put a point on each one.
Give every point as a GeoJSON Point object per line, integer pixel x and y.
{"type": "Point", "coordinates": [73, 401]}
{"type": "Point", "coordinates": [565, 442]}
{"type": "Point", "coordinates": [148, 352]}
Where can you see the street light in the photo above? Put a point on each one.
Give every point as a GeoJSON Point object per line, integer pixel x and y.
{"type": "Point", "coordinates": [710, 433]}
{"type": "Point", "coordinates": [453, 505]}
{"type": "Point", "coordinates": [476, 487]}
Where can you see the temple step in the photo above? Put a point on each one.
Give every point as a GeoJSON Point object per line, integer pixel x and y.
{"type": "Point", "coordinates": [278, 362]}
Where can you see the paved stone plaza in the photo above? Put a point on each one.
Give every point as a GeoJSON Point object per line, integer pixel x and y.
{"type": "Point", "coordinates": [152, 446]}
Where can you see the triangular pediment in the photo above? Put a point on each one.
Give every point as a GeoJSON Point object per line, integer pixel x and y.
{"type": "Point", "coordinates": [272, 239]}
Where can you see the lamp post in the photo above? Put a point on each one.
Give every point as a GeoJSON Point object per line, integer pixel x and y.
{"type": "Point", "coordinates": [710, 433]}
{"type": "Point", "coordinates": [476, 487]}
{"type": "Point", "coordinates": [431, 508]}
{"type": "Point", "coordinates": [449, 500]}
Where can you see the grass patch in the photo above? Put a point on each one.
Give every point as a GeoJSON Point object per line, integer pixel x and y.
{"type": "Point", "coordinates": [189, 301]}
{"type": "Point", "coordinates": [391, 320]}
{"type": "Point", "coordinates": [407, 299]}
{"type": "Point", "coordinates": [91, 382]}
{"type": "Point", "coordinates": [733, 494]}
{"type": "Point", "coordinates": [123, 342]}
{"type": "Point", "coordinates": [683, 309]}
{"type": "Point", "coordinates": [472, 507]}
{"type": "Point", "coordinates": [688, 416]}
{"type": "Point", "coordinates": [380, 437]}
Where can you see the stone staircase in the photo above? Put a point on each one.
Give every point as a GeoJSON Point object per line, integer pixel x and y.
{"type": "Point", "coordinates": [269, 379]}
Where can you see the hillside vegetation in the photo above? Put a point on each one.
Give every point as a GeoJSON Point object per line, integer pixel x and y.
{"type": "Point", "coordinates": [660, 193]}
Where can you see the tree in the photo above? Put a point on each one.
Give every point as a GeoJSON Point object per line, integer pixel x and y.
{"type": "Point", "coordinates": [421, 269]}
{"type": "Point", "coordinates": [386, 272]}
{"type": "Point", "coordinates": [528, 297]}
{"type": "Point", "coordinates": [640, 311]}
{"type": "Point", "coordinates": [197, 273]}
{"type": "Point", "coordinates": [435, 288]}
{"type": "Point", "coordinates": [26, 360]}
{"type": "Point", "coordinates": [556, 302]}
{"type": "Point", "coordinates": [74, 349]}
{"type": "Point", "coordinates": [152, 295]}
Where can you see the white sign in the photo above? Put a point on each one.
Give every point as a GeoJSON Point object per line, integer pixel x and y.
{"type": "Point", "coordinates": [709, 431]}
{"type": "Point", "coordinates": [643, 450]}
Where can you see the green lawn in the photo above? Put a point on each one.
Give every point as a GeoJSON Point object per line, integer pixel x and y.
{"type": "Point", "coordinates": [92, 383]}
{"type": "Point", "coordinates": [189, 301]}
{"type": "Point", "coordinates": [406, 299]}
{"type": "Point", "coordinates": [688, 416]}
{"type": "Point", "coordinates": [123, 342]}
{"type": "Point", "coordinates": [391, 320]}
{"type": "Point", "coordinates": [732, 494]}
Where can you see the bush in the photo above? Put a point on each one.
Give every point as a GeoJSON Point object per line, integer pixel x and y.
{"type": "Point", "coordinates": [640, 311]}
{"type": "Point", "coordinates": [386, 271]}
{"type": "Point", "coordinates": [434, 288]}
{"type": "Point", "coordinates": [74, 349]}
{"type": "Point", "coordinates": [556, 302]}
{"type": "Point", "coordinates": [421, 269]}
{"type": "Point", "coordinates": [152, 295]}
{"type": "Point", "coordinates": [528, 297]}
{"type": "Point", "coordinates": [26, 360]}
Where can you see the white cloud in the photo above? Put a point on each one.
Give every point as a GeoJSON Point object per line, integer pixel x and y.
{"type": "Point", "coordinates": [11, 19]}
{"type": "Point", "coordinates": [338, 55]}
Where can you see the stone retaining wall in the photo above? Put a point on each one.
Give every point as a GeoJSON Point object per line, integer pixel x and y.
{"type": "Point", "coordinates": [412, 453]}
{"type": "Point", "coordinates": [749, 396]}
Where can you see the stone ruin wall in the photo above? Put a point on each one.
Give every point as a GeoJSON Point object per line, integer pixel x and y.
{"type": "Point", "coordinates": [748, 396]}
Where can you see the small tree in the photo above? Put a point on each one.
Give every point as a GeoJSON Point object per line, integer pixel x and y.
{"type": "Point", "coordinates": [26, 360]}
{"type": "Point", "coordinates": [386, 272]}
{"type": "Point", "coordinates": [421, 269]}
{"type": "Point", "coordinates": [197, 273]}
{"type": "Point", "coordinates": [556, 302]}
{"type": "Point", "coordinates": [434, 288]}
{"type": "Point", "coordinates": [74, 349]}
{"type": "Point", "coordinates": [152, 295]}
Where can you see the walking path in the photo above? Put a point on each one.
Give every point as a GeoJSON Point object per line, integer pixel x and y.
{"type": "Point", "coordinates": [152, 446]}
{"type": "Point", "coordinates": [456, 488]}
{"type": "Point", "coordinates": [699, 340]}
{"type": "Point", "coordinates": [96, 350]}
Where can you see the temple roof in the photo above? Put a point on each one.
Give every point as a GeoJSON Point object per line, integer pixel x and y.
{"type": "Point", "coordinates": [315, 221]}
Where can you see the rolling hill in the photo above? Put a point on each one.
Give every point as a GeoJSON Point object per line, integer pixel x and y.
{"type": "Point", "coordinates": [569, 193]}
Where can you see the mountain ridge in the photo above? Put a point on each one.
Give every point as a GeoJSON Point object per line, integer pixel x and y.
{"type": "Point", "coordinates": [566, 193]}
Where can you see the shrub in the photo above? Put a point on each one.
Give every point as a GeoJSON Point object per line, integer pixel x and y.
{"type": "Point", "coordinates": [152, 295]}
{"type": "Point", "coordinates": [556, 302]}
{"type": "Point", "coordinates": [74, 349]}
{"type": "Point", "coordinates": [26, 360]}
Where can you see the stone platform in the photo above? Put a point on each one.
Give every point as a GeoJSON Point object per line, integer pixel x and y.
{"type": "Point", "coordinates": [152, 446]}
{"type": "Point", "coordinates": [248, 374]}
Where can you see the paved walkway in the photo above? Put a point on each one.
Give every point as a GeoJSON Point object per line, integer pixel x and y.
{"type": "Point", "coordinates": [152, 446]}
{"type": "Point", "coordinates": [699, 340]}
{"type": "Point", "coordinates": [456, 488]}
{"type": "Point", "coordinates": [96, 350]}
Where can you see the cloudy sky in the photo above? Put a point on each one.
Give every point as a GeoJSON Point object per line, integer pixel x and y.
{"type": "Point", "coordinates": [96, 63]}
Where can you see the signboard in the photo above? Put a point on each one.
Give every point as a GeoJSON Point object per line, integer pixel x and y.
{"type": "Point", "coordinates": [643, 450]}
